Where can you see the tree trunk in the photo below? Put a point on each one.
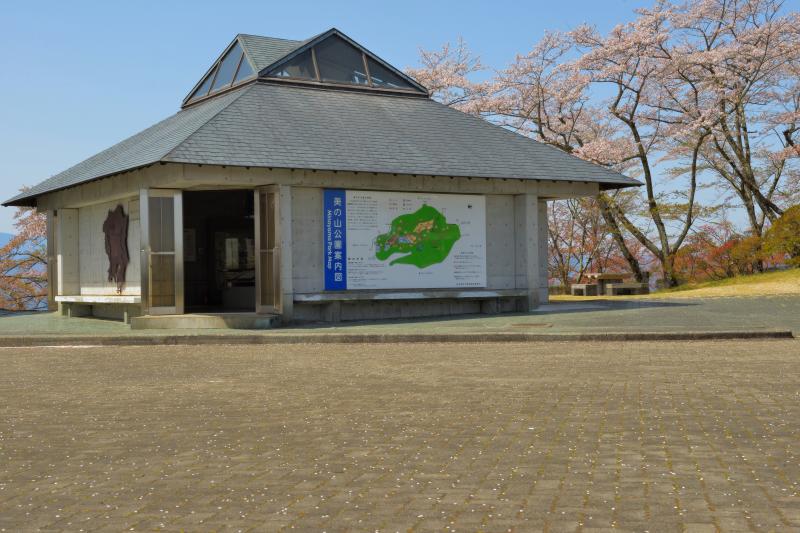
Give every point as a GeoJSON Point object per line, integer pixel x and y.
{"type": "Point", "coordinates": [668, 271]}
{"type": "Point", "coordinates": [619, 240]}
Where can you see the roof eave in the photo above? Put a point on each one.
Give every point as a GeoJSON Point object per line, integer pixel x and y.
{"type": "Point", "coordinates": [20, 202]}
{"type": "Point", "coordinates": [17, 201]}
{"type": "Point", "coordinates": [611, 186]}
{"type": "Point", "coordinates": [26, 200]}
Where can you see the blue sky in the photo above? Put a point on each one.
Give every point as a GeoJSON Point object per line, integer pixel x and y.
{"type": "Point", "coordinates": [81, 76]}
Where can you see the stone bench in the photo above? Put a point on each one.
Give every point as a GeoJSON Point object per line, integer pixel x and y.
{"type": "Point", "coordinates": [584, 289]}
{"type": "Point", "coordinates": [117, 306]}
{"type": "Point", "coordinates": [619, 289]}
{"type": "Point", "coordinates": [334, 300]}
{"type": "Point", "coordinates": [344, 296]}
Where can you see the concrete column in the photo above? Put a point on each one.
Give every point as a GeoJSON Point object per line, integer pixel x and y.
{"type": "Point", "coordinates": [530, 230]}
{"type": "Point", "coordinates": [286, 272]}
{"type": "Point", "coordinates": [541, 211]}
{"type": "Point", "coordinates": [67, 247]}
{"type": "Point", "coordinates": [52, 261]}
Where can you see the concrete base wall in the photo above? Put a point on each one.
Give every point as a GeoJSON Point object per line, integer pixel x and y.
{"type": "Point", "coordinates": [386, 310]}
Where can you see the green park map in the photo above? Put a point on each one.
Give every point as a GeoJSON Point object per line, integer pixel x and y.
{"type": "Point", "coordinates": [424, 236]}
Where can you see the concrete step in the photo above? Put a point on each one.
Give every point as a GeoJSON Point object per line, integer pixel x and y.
{"type": "Point", "coordinates": [206, 321]}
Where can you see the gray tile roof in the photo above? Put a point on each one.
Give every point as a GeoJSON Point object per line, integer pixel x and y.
{"type": "Point", "coordinates": [277, 125]}
{"type": "Point", "coordinates": [264, 51]}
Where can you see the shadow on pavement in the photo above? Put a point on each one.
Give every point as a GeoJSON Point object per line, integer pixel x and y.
{"type": "Point", "coordinates": [551, 308]}
{"type": "Point", "coordinates": [606, 305]}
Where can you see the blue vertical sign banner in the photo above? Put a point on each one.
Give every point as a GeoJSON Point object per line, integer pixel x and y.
{"type": "Point", "coordinates": [335, 222]}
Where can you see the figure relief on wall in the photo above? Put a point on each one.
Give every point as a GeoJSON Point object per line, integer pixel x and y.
{"type": "Point", "coordinates": [116, 229]}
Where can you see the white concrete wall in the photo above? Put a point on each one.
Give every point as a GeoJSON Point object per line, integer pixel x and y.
{"type": "Point", "coordinates": [530, 218]}
{"type": "Point", "coordinates": [500, 248]}
{"type": "Point", "coordinates": [541, 213]}
{"type": "Point", "coordinates": [93, 257]}
{"type": "Point", "coordinates": [307, 240]}
{"type": "Point", "coordinates": [68, 270]}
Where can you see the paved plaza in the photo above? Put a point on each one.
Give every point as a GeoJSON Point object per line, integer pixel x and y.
{"type": "Point", "coordinates": [557, 318]}
{"type": "Point", "coordinates": [695, 436]}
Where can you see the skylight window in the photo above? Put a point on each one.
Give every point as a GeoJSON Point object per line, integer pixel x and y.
{"type": "Point", "coordinates": [230, 70]}
{"type": "Point", "coordinates": [299, 67]}
{"type": "Point", "coordinates": [381, 76]}
{"type": "Point", "coordinates": [335, 60]}
{"type": "Point", "coordinates": [340, 62]}
{"type": "Point", "coordinates": [205, 86]}
{"type": "Point", "coordinates": [244, 72]}
{"type": "Point", "coordinates": [227, 68]}
{"type": "Point", "coordinates": [331, 59]}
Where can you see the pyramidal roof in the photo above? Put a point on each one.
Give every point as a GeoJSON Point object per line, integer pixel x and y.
{"type": "Point", "coordinates": [275, 103]}
{"type": "Point", "coordinates": [330, 58]}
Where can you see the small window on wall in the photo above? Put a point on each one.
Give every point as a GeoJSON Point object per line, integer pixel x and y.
{"type": "Point", "coordinates": [340, 62]}
{"type": "Point", "coordinates": [301, 66]}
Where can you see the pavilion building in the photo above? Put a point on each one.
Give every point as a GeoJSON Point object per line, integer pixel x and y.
{"type": "Point", "coordinates": [307, 180]}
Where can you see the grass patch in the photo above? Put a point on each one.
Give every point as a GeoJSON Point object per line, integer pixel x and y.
{"type": "Point", "coordinates": [770, 278]}
{"type": "Point", "coordinates": [783, 282]}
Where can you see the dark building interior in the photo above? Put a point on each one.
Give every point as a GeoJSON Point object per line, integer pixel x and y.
{"type": "Point", "coordinates": [219, 251]}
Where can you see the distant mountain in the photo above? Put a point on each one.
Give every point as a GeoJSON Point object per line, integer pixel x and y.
{"type": "Point", "coordinates": [4, 238]}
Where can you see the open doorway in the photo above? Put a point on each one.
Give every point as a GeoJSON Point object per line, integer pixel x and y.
{"type": "Point", "coordinates": [219, 251]}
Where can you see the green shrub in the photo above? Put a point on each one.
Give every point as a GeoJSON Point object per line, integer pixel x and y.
{"type": "Point", "coordinates": [746, 255]}
{"type": "Point", "coordinates": [783, 238]}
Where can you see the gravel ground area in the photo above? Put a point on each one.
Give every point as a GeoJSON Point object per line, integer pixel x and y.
{"type": "Point", "coordinates": [679, 436]}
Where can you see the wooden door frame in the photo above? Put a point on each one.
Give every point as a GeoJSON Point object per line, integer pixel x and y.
{"type": "Point", "coordinates": [146, 253]}
{"type": "Point", "coordinates": [276, 306]}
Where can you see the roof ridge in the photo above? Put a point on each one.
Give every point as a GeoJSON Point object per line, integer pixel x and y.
{"type": "Point", "coordinates": [300, 48]}
{"type": "Point", "coordinates": [267, 37]}
{"type": "Point", "coordinates": [340, 88]}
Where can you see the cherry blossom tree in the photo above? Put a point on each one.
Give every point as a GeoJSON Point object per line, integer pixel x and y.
{"type": "Point", "coordinates": [631, 61]}
{"type": "Point", "coordinates": [576, 239]}
{"type": "Point", "coordinates": [542, 95]}
{"type": "Point", "coordinates": [733, 77]}
{"type": "Point", "coordinates": [686, 97]}
{"type": "Point", "coordinates": [23, 264]}
{"type": "Point", "coordinates": [447, 73]}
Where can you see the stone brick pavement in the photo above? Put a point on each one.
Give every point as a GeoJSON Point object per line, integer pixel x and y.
{"type": "Point", "coordinates": [699, 436]}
